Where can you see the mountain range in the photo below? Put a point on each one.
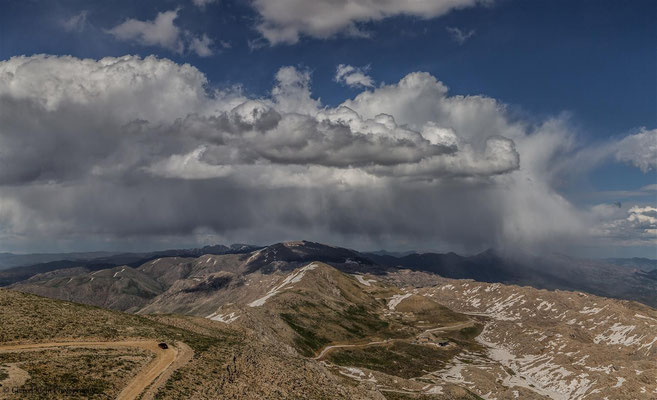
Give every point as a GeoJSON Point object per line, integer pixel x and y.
{"type": "Point", "coordinates": [311, 321]}
{"type": "Point", "coordinates": [629, 279]}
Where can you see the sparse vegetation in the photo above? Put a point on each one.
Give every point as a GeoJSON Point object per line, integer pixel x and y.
{"type": "Point", "coordinates": [401, 359]}
{"type": "Point", "coordinates": [405, 396]}
{"type": "Point", "coordinates": [211, 284]}
{"type": "Point", "coordinates": [3, 374]}
{"type": "Point", "coordinates": [37, 319]}
{"type": "Point", "coordinates": [56, 373]}
{"type": "Point", "coordinates": [466, 395]}
{"type": "Point", "coordinates": [359, 316]}
{"type": "Point", "coordinates": [470, 332]}
{"type": "Point", "coordinates": [133, 288]}
{"type": "Point", "coordinates": [307, 341]}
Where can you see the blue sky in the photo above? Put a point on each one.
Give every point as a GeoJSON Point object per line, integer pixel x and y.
{"type": "Point", "coordinates": [595, 59]}
{"type": "Point", "coordinates": [590, 63]}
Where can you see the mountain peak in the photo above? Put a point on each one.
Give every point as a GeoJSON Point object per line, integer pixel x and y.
{"type": "Point", "coordinates": [289, 255]}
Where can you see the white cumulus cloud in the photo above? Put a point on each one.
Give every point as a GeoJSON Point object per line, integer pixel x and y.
{"type": "Point", "coordinates": [458, 35]}
{"type": "Point", "coordinates": [202, 45]}
{"type": "Point", "coordinates": [639, 149]}
{"type": "Point", "coordinates": [284, 21]}
{"type": "Point", "coordinates": [203, 3]}
{"type": "Point", "coordinates": [162, 32]}
{"type": "Point", "coordinates": [76, 23]}
{"type": "Point", "coordinates": [636, 225]}
{"type": "Point", "coordinates": [353, 76]}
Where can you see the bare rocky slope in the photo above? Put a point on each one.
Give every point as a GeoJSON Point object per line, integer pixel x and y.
{"type": "Point", "coordinates": [550, 344]}
{"type": "Point", "coordinates": [330, 322]}
{"type": "Point", "coordinates": [510, 341]}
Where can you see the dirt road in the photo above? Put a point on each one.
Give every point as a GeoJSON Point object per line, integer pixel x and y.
{"type": "Point", "coordinates": [340, 346]}
{"type": "Point", "coordinates": [156, 372]}
{"type": "Point", "coordinates": [450, 327]}
{"type": "Point", "coordinates": [441, 328]}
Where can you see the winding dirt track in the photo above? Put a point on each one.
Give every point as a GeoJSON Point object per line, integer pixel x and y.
{"type": "Point", "coordinates": [327, 349]}
{"type": "Point", "coordinates": [156, 372]}
{"type": "Point", "coordinates": [451, 327]}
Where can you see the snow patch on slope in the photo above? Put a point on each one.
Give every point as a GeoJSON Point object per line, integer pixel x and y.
{"type": "Point", "coordinates": [225, 318]}
{"type": "Point", "coordinates": [363, 281]}
{"type": "Point", "coordinates": [294, 277]}
{"type": "Point", "coordinates": [539, 374]}
{"type": "Point", "coordinates": [618, 334]}
{"type": "Point", "coordinates": [396, 299]}
{"type": "Point", "coordinates": [592, 310]}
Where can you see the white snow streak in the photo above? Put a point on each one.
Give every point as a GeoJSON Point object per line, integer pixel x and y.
{"type": "Point", "coordinates": [396, 299]}
{"type": "Point", "coordinates": [362, 280]}
{"type": "Point", "coordinates": [290, 279]}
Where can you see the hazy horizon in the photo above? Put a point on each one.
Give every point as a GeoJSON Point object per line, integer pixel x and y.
{"type": "Point", "coordinates": [593, 254]}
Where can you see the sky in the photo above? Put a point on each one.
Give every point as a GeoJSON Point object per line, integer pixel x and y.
{"type": "Point", "coordinates": [446, 125]}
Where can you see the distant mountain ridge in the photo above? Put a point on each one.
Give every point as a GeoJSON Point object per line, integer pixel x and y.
{"type": "Point", "coordinates": [102, 260]}
{"type": "Point", "coordinates": [553, 272]}
{"type": "Point", "coordinates": [9, 260]}
{"type": "Point", "coordinates": [546, 272]}
{"type": "Point", "coordinates": [646, 264]}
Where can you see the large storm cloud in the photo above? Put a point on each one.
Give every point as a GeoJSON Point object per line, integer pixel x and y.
{"type": "Point", "coordinates": [119, 148]}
